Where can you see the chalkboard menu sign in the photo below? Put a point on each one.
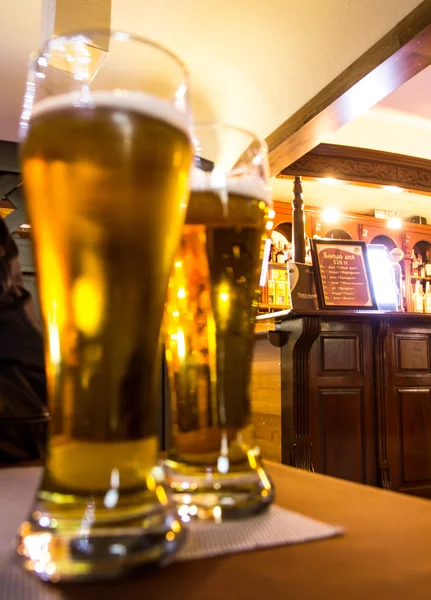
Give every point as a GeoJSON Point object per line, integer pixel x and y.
{"type": "Point", "coordinates": [342, 274]}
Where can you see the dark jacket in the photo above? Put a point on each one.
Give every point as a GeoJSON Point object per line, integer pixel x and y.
{"type": "Point", "coordinates": [23, 414]}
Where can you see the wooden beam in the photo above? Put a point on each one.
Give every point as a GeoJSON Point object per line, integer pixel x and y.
{"type": "Point", "coordinates": [393, 60]}
{"type": "Point", "coordinates": [362, 165]}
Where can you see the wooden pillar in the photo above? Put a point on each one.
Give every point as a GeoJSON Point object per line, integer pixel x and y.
{"type": "Point", "coordinates": [298, 225]}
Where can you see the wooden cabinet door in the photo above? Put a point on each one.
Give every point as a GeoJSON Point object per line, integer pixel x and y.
{"type": "Point", "coordinates": [408, 409]}
{"type": "Point", "coordinates": [341, 402]}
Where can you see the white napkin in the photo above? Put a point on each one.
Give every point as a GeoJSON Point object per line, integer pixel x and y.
{"type": "Point", "coordinates": [276, 527]}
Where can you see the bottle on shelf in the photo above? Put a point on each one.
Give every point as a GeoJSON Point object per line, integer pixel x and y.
{"type": "Point", "coordinates": [427, 298]}
{"type": "Point", "coordinates": [279, 257]}
{"type": "Point", "coordinates": [421, 267]}
{"type": "Point", "coordinates": [427, 263]}
{"type": "Point", "coordinates": [414, 265]}
{"type": "Point", "coordinates": [418, 298]}
{"type": "Point", "coordinates": [272, 252]}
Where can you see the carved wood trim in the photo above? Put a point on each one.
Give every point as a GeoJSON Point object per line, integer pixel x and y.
{"type": "Point", "coordinates": [301, 449]}
{"type": "Point", "coordinates": [312, 215]}
{"type": "Point", "coordinates": [363, 166]}
{"type": "Point", "coordinates": [382, 355]}
{"type": "Point", "coordinates": [298, 215]}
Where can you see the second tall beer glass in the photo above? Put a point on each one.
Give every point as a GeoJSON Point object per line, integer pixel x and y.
{"type": "Point", "coordinates": [213, 466]}
{"type": "Point", "coordinates": [106, 156]}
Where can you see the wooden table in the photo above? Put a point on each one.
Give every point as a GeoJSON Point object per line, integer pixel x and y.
{"type": "Point", "coordinates": [385, 554]}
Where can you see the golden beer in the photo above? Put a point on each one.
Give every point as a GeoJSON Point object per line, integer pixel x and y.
{"type": "Point", "coordinates": [105, 184]}
{"type": "Point", "coordinates": [210, 313]}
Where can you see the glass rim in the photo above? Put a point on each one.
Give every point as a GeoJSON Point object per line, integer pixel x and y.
{"type": "Point", "coordinates": [229, 127]}
{"type": "Point", "coordinates": [117, 34]}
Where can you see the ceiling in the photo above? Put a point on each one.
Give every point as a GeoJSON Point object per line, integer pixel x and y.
{"type": "Point", "coordinates": [400, 123]}
{"type": "Point", "coordinates": [253, 63]}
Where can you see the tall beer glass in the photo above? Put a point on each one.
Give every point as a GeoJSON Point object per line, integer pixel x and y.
{"type": "Point", "coordinates": [106, 157]}
{"type": "Point", "coordinates": [213, 465]}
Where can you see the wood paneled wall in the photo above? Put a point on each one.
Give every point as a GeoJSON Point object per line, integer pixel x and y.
{"type": "Point", "coordinates": [265, 393]}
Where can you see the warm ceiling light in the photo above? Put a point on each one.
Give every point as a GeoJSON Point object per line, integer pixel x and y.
{"type": "Point", "coordinates": [393, 188]}
{"type": "Point", "coordinates": [25, 226]}
{"type": "Point", "coordinates": [330, 215]}
{"type": "Point", "coordinates": [395, 223]}
{"type": "Point", "coordinates": [329, 180]}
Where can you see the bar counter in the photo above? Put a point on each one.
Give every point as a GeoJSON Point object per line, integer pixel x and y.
{"type": "Point", "coordinates": [346, 393]}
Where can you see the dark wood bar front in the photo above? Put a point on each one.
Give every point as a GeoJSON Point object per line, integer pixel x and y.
{"type": "Point", "coordinates": [347, 394]}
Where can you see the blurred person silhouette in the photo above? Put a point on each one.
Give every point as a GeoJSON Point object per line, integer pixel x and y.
{"type": "Point", "coordinates": [23, 412]}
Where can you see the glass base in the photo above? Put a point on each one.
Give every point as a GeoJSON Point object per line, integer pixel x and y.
{"type": "Point", "coordinates": [205, 494]}
{"type": "Point", "coordinates": [72, 550]}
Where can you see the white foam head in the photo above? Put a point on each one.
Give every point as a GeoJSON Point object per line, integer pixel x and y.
{"type": "Point", "coordinates": [127, 101]}
{"type": "Point", "coordinates": [216, 181]}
